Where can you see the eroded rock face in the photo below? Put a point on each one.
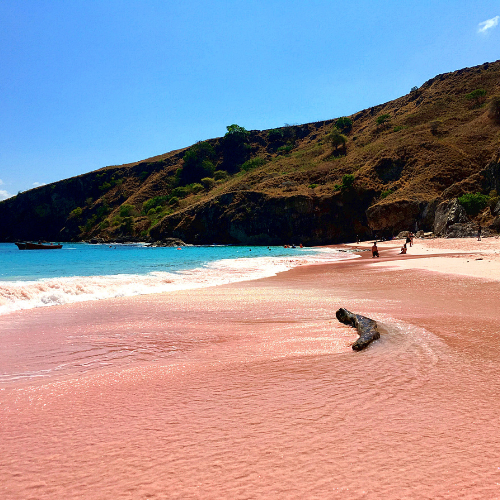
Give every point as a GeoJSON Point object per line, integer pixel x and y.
{"type": "Point", "coordinates": [495, 225]}
{"type": "Point", "coordinates": [496, 210]}
{"type": "Point", "coordinates": [492, 173]}
{"type": "Point", "coordinates": [255, 218]}
{"type": "Point", "coordinates": [402, 215]}
{"type": "Point", "coordinates": [389, 169]}
{"type": "Point", "coordinates": [449, 213]}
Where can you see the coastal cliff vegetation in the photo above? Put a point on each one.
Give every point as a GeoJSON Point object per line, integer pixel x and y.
{"type": "Point", "coordinates": [379, 171]}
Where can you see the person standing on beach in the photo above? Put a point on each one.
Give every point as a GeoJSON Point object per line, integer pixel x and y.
{"type": "Point", "coordinates": [375, 250]}
{"type": "Point", "coordinates": [479, 229]}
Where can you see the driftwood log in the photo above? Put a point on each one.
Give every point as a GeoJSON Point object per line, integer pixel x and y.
{"type": "Point", "coordinates": [366, 327]}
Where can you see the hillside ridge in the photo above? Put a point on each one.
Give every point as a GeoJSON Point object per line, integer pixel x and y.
{"type": "Point", "coordinates": [382, 170]}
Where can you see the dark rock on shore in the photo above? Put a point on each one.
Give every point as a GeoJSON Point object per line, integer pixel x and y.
{"type": "Point", "coordinates": [170, 242]}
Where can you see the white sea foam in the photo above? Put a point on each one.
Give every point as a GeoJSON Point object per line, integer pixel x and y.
{"type": "Point", "coordinates": [17, 295]}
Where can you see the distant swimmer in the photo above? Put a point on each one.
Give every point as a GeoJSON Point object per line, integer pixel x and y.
{"type": "Point", "coordinates": [375, 250]}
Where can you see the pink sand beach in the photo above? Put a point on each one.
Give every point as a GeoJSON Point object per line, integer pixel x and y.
{"type": "Point", "coordinates": [252, 391]}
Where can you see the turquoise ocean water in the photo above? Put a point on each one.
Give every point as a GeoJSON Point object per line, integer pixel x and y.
{"type": "Point", "coordinates": [80, 271]}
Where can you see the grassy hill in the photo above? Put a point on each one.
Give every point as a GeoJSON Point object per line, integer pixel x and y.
{"type": "Point", "coordinates": [291, 184]}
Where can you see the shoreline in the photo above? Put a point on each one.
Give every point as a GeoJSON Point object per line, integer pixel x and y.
{"type": "Point", "coordinates": [214, 269]}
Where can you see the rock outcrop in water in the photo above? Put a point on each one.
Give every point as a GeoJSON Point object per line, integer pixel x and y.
{"type": "Point", "coordinates": [366, 327]}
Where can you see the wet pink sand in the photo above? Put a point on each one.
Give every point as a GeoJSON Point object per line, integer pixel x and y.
{"type": "Point", "coordinates": [251, 390]}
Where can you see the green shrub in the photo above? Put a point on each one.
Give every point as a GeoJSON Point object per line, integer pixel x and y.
{"type": "Point", "coordinates": [196, 188]}
{"type": "Point", "coordinates": [253, 163]}
{"type": "Point", "coordinates": [312, 186]}
{"type": "Point", "coordinates": [126, 210]}
{"type": "Point", "coordinates": [181, 192]}
{"type": "Point", "coordinates": [385, 194]}
{"type": "Point", "coordinates": [198, 163]}
{"type": "Point", "coordinates": [127, 225]}
{"type": "Point", "coordinates": [208, 183]}
{"type": "Point", "coordinates": [235, 133]}
{"type": "Point", "coordinates": [473, 202]}
{"type": "Point", "coordinates": [152, 203]}
{"type": "Point", "coordinates": [285, 149]}
{"type": "Point", "coordinates": [383, 119]}
{"type": "Point", "coordinates": [173, 201]}
{"type": "Point", "coordinates": [43, 210]}
{"type": "Point", "coordinates": [275, 134]}
{"type": "Point", "coordinates": [348, 181]}
{"type": "Point", "coordinates": [220, 175]}
{"type": "Point", "coordinates": [106, 186]}
{"type": "Point", "coordinates": [76, 213]}
{"type": "Point", "coordinates": [477, 97]}
{"type": "Point", "coordinates": [397, 128]}
{"type": "Point", "coordinates": [336, 138]}
{"type": "Point", "coordinates": [344, 124]}
{"type": "Point", "coordinates": [103, 210]}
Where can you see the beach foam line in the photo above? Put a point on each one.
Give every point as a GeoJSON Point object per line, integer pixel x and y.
{"type": "Point", "coordinates": [19, 295]}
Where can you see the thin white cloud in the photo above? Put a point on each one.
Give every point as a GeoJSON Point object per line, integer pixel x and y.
{"type": "Point", "coordinates": [4, 195]}
{"type": "Point", "coordinates": [488, 24]}
{"type": "Point", "coordinates": [38, 184]}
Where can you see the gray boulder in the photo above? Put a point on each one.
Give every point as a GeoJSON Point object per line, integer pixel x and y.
{"type": "Point", "coordinates": [461, 231]}
{"type": "Point", "coordinates": [496, 210]}
{"type": "Point", "coordinates": [449, 213]}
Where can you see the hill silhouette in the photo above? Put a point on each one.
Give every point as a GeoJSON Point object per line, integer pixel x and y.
{"type": "Point", "coordinates": [393, 166]}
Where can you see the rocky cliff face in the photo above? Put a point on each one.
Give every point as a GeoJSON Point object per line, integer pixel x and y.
{"type": "Point", "coordinates": [253, 218]}
{"type": "Point", "coordinates": [42, 213]}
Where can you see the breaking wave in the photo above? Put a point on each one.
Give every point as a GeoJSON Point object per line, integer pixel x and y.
{"type": "Point", "coordinates": [17, 295]}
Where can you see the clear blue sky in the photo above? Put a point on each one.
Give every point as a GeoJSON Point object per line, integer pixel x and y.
{"type": "Point", "coordinates": [90, 83]}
